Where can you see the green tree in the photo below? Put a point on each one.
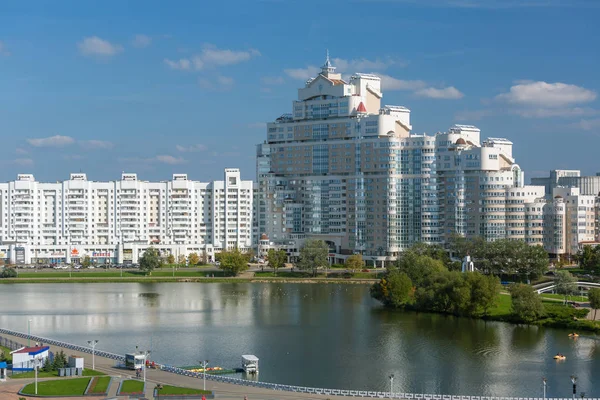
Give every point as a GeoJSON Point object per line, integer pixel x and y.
{"type": "Point", "coordinates": [586, 258]}
{"type": "Point", "coordinates": [431, 250]}
{"type": "Point", "coordinates": [276, 258]}
{"type": "Point", "coordinates": [193, 259]}
{"type": "Point", "coordinates": [60, 360]}
{"type": "Point", "coordinates": [233, 261]}
{"type": "Point", "coordinates": [150, 261]}
{"type": "Point", "coordinates": [565, 283]}
{"type": "Point", "coordinates": [86, 262]}
{"type": "Point", "coordinates": [8, 273]}
{"type": "Point", "coordinates": [313, 255]}
{"type": "Point", "coordinates": [249, 255]}
{"type": "Point", "coordinates": [485, 290]}
{"type": "Point", "coordinates": [170, 259]}
{"type": "Point", "coordinates": [355, 263]}
{"type": "Point", "coordinates": [594, 297]}
{"type": "Point", "coordinates": [47, 365]}
{"type": "Point", "coordinates": [526, 303]}
{"type": "Point", "coordinates": [393, 290]}
{"type": "Point", "coordinates": [419, 267]}
{"type": "Point", "coordinates": [181, 259]}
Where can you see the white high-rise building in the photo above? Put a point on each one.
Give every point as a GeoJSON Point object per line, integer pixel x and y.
{"type": "Point", "coordinates": [116, 221]}
{"type": "Point", "coordinates": [343, 168]}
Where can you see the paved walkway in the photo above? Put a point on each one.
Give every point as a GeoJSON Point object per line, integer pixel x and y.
{"type": "Point", "coordinates": [222, 390]}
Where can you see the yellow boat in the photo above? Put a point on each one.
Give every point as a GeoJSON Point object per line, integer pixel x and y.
{"type": "Point", "coordinates": [573, 335]}
{"type": "Point", "coordinates": [560, 358]}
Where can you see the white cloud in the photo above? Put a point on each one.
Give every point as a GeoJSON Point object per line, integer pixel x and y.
{"type": "Point", "coordinates": [302, 73]}
{"type": "Point", "coordinates": [52, 141]}
{"type": "Point", "coordinates": [564, 112]}
{"type": "Point", "coordinates": [390, 83]}
{"type": "Point", "coordinates": [95, 46]}
{"type": "Point", "coordinates": [23, 162]}
{"type": "Point", "coordinates": [364, 65]}
{"type": "Point", "coordinates": [543, 94]}
{"type": "Point", "coordinates": [141, 41]}
{"type": "Point", "coordinates": [21, 151]}
{"type": "Point", "coordinates": [447, 93]}
{"type": "Point", "coordinates": [272, 80]}
{"type": "Point", "coordinates": [589, 124]}
{"type": "Point", "coordinates": [191, 148]}
{"type": "Point", "coordinates": [166, 159]}
{"type": "Point", "coordinates": [211, 56]}
{"type": "Point", "coordinates": [3, 51]}
{"type": "Point", "coordinates": [225, 80]}
{"type": "Point", "coordinates": [182, 64]}
{"type": "Point", "coordinates": [96, 144]}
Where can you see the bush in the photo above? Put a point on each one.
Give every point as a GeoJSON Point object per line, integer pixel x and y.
{"type": "Point", "coordinates": [8, 273]}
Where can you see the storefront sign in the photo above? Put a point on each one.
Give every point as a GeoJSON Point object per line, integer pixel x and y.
{"type": "Point", "coordinates": [20, 255]}
{"type": "Point", "coordinates": [101, 254]}
{"type": "Point", "coordinates": [127, 254]}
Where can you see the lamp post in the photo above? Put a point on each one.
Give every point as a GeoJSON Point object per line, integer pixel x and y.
{"type": "Point", "coordinates": [204, 364]}
{"type": "Point", "coordinates": [391, 385]}
{"type": "Point", "coordinates": [29, 332]}
{"type": "Point", "coordinates": [146, 354]}
{"type": "Point", "coordinates": [36, 363]}
{"type": "Point", "coordinates": [574, 381]}
{"type": "Point", "coordinates": [93, 344]}
{"type": "Point", "coordinates": [545, 382]}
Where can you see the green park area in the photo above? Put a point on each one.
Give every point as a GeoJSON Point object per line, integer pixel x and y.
{"type": "Point", "coordinates": [99, 385]}
{"type": "Point", "coordinates": [62, 387]}
{"type": "Point", "coordinates": [53, 374]}
{"type": "Point", "coordinates": [168, 390]}
{"type": "Point", "coordinates": [131, 386]}
{"type": "Point", "coordinates": [424, 279]}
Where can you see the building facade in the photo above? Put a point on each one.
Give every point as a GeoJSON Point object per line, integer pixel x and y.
{"type": "Point", "coordinates": [344, 168]}
{"type": "Point", "coordinates": [116, 221]}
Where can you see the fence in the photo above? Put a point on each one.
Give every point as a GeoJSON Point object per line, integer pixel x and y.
{"type": "Point", "coordinates": [272, 386]}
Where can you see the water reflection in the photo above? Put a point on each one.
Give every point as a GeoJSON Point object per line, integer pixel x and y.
{"type": "Point", "coordinates": [313, 335]}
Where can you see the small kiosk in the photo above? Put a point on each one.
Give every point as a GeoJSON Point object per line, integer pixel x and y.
{"type": "Point", "coordinates": [250, 364]}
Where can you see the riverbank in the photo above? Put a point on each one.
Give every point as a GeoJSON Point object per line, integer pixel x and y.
{"type": "Point", "coordinates": [178, 279]}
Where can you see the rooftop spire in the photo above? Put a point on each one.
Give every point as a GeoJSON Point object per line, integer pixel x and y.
{"type": "Point", "coordinates": [327, 68]}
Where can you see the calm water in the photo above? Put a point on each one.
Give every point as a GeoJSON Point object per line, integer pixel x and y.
{"type": "Point", "coordinates": [307, 334]}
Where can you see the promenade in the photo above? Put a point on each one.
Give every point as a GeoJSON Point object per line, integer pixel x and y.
{"type": "Point", "coordinates": [222, 390]}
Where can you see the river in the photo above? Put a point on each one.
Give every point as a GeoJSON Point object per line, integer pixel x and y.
{"type": "Point", "coordinates": [322, 335]}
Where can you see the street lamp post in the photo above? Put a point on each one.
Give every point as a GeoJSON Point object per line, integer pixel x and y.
{"type": "Point", "coordinates": [204, 364]}
{"type": "Point", "coordinates": [146, 354]}
{"type": "Point", "coordinates": [574, 381]}
{"type": "Point", "coordinates": [93, 344]}
{"type": "Point", "coordinates": [545, 382]}
{"type": "Point", "coordinates": [391, 384]}
{"type": "Point", "coordinates": [36, 364]}
{"type": "Point", "coordinates": [29, 332]}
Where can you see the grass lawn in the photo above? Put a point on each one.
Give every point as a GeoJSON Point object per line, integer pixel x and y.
{"type": "Point", "coordinates": [562, 297]}
{"type": "Point", "coordinates": [54, 374]}
{"type": "Point", "coordinates": [66, 387]}
{"type": "Point", "coordinates": [132, 386]}
{"type": "Point", "coordinates": [283, 274]}
{"type": "Point", "coordinates": [173, 390]}
{"type": "Point", "coordinates": [6, 352]}
{"type": "Point", "coordinates": [100, 385]}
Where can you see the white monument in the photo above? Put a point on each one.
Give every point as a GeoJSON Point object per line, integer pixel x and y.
{"type": "Point", "coordinates": [467, 264]}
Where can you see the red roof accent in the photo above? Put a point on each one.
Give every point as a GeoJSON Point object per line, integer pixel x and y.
{"type": "Point", "coordinates": [32, 349]}
{"type": "Point", "coordinates": [361, 108]}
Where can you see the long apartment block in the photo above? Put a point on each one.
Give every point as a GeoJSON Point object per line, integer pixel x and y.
{"type": "Point", "coordinates": [115, 221]}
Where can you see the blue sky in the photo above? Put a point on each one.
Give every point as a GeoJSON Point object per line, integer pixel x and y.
{"type": "Point", "coordinates": [159, 87]}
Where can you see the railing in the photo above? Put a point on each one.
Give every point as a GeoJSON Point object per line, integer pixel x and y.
{"type": "Point", "coordinates": [553, 286]}
{"type": "Point", "coordinates": [264, 385]}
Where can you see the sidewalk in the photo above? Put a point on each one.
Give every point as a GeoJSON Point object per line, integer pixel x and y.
{"type": "Point", "coordinates": [222, 390]}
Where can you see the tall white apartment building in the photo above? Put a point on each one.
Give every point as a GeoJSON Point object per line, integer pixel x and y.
{"type": "Point", "coordinates": [343, 168]}
{"type": "Point", "coordinates": [117, 221]}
